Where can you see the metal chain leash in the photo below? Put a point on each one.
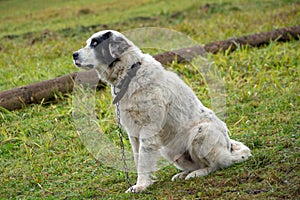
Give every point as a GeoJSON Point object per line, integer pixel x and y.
{"type": "Point", "coordinates": [121, 136]}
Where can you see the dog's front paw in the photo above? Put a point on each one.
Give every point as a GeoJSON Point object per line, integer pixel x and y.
{"type": "Point", "coordinates": [136, 189]}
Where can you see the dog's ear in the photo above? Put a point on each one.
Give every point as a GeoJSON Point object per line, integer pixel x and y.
{"type": "Point", "coordinates": [117, 46]}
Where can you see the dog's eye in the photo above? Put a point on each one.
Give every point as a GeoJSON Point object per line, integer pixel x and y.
{"type": "Point", "coordinates": [94, 43]}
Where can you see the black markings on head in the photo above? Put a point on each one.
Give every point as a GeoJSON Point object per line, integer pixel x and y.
{"type": "Point", "coordinates": [98, 40]}
{"type": "Point", "coordinates": [109, 48]}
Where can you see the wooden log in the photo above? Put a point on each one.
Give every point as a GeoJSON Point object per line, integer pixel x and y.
{"type": "Point", "coordinates": [45, 91]}
{"type": "Point", "coordinates": [36, 93]}
{"type": "Point", "coordinates": [255, 40]}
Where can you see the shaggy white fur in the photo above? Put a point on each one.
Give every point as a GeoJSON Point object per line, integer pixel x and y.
{"type": "Point", "coordinates": [160, 113]}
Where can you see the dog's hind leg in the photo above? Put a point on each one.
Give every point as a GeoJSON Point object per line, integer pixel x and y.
{"type": "Point", "coordinates": [185, 163]}
{"type": "Point", "coordinates": [209, 147]}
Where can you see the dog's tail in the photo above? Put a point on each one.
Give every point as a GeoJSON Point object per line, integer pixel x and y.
{"type": "Point", "coordinates": [239, 151]}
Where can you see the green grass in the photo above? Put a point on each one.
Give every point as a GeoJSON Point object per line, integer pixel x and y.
{"type": "Point", "coordinates": [41, 156]}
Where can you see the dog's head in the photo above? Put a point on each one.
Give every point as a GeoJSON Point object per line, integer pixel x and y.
{"type": "Point", "coordinates": [103, 51]}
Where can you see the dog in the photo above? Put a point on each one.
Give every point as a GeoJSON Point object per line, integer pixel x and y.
{"type": "Point", "coordinates": [160, 113]}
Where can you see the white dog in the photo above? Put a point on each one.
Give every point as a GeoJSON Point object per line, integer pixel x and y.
{"type": "Point", "coordinates": [160, 113]}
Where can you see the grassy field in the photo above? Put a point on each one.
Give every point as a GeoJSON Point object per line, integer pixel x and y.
{"type": "Point", "coordinates": [41, 156]}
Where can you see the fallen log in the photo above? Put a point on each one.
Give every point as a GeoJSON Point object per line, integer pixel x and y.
{"type": "Point", "coordinates": [46, 91]}
{"type": "Point", "coordinates": [255, 40]}
{"type": "Point", "coordinates": [36, 93]}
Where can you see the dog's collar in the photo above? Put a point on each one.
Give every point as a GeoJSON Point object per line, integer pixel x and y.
{"type": "Point", "coordinates": [124, 83]}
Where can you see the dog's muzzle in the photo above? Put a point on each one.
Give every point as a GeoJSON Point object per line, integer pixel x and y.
{"type": "Point", "coordinates": [77, 61]}
{"type": "Point", "coordinates": [75, 55]}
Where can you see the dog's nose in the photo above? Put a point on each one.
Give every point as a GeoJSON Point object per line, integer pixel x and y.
{"type": "Point", "coordinates": [75, 55]}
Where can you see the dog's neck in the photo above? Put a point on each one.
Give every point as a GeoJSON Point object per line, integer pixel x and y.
{"type": "Point", "coordinates": [121, 88]}
{"type": "Point", "coordinates": [116, 72]}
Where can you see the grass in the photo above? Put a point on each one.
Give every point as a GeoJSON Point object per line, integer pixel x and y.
{"type": "Point", "coordinates": [43, 158]}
